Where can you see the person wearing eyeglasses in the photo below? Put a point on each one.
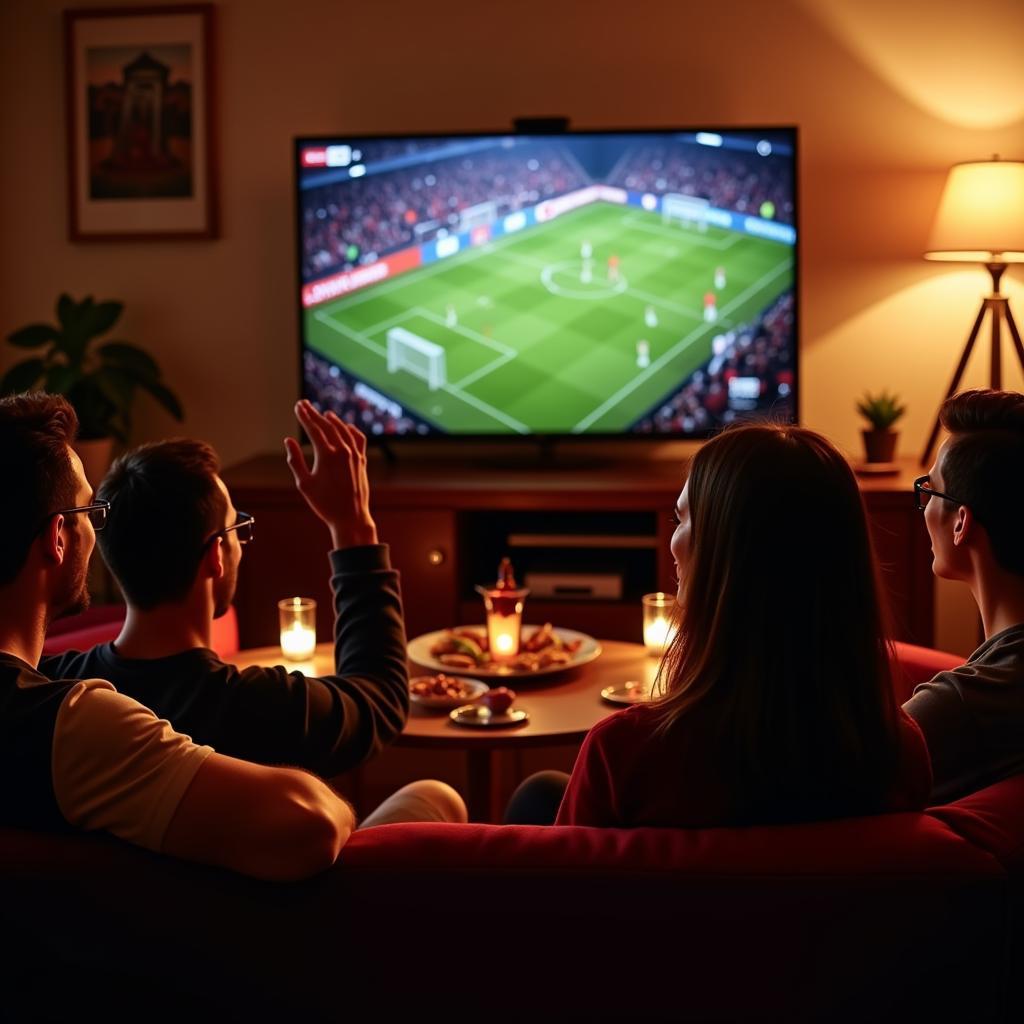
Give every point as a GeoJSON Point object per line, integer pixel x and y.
{"type": "Point", "coordinates": [75, 753]}
{"type": "Point", "coordinates": [174, 543]}
{"type": "Point", "coordinates": [973, 503]}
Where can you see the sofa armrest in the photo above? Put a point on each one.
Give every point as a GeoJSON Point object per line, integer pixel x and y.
{"type": "Point", "coordinates": [914, 665]}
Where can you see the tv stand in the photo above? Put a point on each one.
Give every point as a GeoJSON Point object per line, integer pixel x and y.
{"type": "Point", "coordinates": [540, 125]}
{"type": "Point", "coordinates": [449, 522]}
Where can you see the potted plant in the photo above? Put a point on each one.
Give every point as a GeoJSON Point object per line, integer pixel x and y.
{"type": "Point", "coordinates": [881, 411]}
{"type": "Point", "coordinates": [99, 380]}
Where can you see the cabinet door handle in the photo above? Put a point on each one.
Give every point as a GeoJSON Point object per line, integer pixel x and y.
{"type": "Point", "coordinates": [435, 556]}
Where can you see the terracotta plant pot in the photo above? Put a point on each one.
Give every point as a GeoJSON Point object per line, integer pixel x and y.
{"type": "Point", "coordinates": [880, 445]}
{"type": "Point", "coordinates": [96, 457]}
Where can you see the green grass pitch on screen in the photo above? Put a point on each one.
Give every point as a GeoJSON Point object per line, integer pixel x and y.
{"type": "Point", "coordinates": [533, 342]}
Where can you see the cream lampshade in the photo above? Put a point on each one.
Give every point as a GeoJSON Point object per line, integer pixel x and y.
{"type": "Point", "coordinates": [981, 220]}
{"type": "Point", "coordinates": [981, 214]}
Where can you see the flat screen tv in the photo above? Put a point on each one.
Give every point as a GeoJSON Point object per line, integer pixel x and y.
{"type": "Point", "coordinates": [578, 284]}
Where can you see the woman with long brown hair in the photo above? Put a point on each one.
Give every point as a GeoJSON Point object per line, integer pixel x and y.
{"type": "Point", "coordinates": [776, 701]}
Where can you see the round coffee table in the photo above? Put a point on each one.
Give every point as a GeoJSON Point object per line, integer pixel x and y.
{"type": "Point", "coordinates": [562, 709]}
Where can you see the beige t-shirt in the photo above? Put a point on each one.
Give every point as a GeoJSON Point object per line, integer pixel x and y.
{"type": "Point", "coordinates": [117, 767]}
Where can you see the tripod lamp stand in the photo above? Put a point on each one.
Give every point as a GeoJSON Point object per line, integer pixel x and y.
{"type": "Point", "coordinates": [981, 220]}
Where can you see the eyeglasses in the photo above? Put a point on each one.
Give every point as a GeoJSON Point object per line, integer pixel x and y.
{"type": "Point", "coordinates": [244, 523]}
{"type": "Point", "coordinates": [922, 492]}
{"type": "Point", "coordinates": [97, 512]}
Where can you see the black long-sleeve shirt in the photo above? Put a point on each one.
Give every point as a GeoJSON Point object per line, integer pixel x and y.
{"type": "Point", "coordinates": [268, 714]}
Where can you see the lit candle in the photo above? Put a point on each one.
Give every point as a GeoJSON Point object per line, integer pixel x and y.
{"type": "Point", "coordinates": [659, 629]}
{"type": "Point", "coordinates": [504, 606]}
{"type": "Point", "coordinates": [503, 635]}
{"type": "Point", "coordinates": [658, 635]}
{"type": "Point", "coordinates": [298, 627]}
{"type": "Point", "coordinates": [298, 642]}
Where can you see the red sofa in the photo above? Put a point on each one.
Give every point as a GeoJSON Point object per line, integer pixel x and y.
{"type": "Point", "coordinates": [102, 623]}
{"type": "Point", "coordinates": [896, 917]}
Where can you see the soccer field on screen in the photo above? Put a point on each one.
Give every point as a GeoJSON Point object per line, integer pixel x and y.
{"type": "Point", "coordinates": [534, 342]}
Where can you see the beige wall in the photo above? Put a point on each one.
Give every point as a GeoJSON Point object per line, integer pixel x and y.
{"type": "Point", "coordinates": [886, 99]}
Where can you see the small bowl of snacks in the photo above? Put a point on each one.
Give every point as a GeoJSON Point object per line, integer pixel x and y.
{"type": "Point", "coordinates": [442, 692]}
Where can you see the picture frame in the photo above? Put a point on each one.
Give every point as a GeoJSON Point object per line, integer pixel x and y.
{"type": "Point", "coordinates": [140, 123]}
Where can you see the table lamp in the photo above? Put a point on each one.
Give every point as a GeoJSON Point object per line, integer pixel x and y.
{"type": "Point", "coordinates": [981, 220]}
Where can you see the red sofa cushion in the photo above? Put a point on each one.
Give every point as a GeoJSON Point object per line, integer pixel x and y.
{"type": "Point", "coordinates": [917, 665]}
{"type": "Point", "coordinates": [101, 624]}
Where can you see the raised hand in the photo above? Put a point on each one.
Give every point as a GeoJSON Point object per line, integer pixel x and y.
{"type": "Point", "coordinates": [336, 487]}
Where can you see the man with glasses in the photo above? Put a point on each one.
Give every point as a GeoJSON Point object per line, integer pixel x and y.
{"type": "Point", "coordinates": [973, 503]}
{"type": "Point", "coordinates": [174, 543]}
{"type": "Point", "coordinates": [78, 754]}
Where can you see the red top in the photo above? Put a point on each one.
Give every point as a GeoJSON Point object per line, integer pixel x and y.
{"type": "Point", "coordinates": [626, 776]}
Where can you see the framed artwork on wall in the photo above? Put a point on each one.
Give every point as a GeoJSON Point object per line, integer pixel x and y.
{"type": "Point", "coordinates": [140, 125]}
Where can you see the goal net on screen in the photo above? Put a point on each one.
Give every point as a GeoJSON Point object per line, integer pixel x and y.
{"type": "Point", "coordinates": [422, 358]}
{"type": "Point", "coordinates": [687, 210]}
{"type": "Point", "coordinates": [482, 213]}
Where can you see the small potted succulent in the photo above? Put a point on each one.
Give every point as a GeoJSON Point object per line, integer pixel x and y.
{"type": "Point", "coordinates": [881, 411]}
{"type": "Point", "coordinates": [99, 380]}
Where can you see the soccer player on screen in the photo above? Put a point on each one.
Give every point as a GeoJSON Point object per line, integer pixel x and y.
{"type": "Point", "coordinates": [643, 354]}
{"type": "Point", "coordinates": [451, 318]}
{"type": "Point", "coordinates": [719, 278]}
{"type": "Point", "coordinates": [613, 267]}
{"type": "Point", "coordinates": [586, 250]}
{"type": "Point", "coordinates": [710, 307]}
{"type": "Point", "coordinates": [650, 317]}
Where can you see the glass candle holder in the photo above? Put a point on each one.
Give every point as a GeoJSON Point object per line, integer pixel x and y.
{"type": "Point", "coordinates": [659, 629]}
{"type": "Point", "coordinates": [298, 627]}
{"type": "Point", "coordinates": [504, 620]}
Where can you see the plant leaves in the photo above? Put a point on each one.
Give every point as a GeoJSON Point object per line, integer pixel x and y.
{"type": "Point", "coordinates": [131, 358]}
{"type": "Point", "coordinates": [881, 410]}
{"type": "Point", "coordinates": [167, 398]}
{"type": "Point", "coordinates": [117, 385]}
{"type": "Point", "coordinates": [96, 412]}
{"type": "Point", "coordinates": [61, 378]}
{"type": "Point", "coordinates": [100, 317]}
{"type": "Point", "coordinates": [21, 377]}
{"type": "Point", "coordinates": [34, 335]}
{"type": "Point", "coordinates": [66, 309]}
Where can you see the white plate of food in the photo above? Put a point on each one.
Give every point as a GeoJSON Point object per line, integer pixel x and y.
{"type": "Point", "coordinates": [443, 691]}
{"type": "Point", "coordinates": [462, 650]}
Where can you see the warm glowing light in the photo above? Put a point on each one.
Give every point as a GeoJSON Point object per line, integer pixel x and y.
{"type": "Point", "coordinates": [504, 643]}
{"type": "Point", "coordinates": [960, 63]}
{"type": "Point", "coordinates": [659, 629]}
{"type": "Point", "coordinates": [504, 608]}
{"type": "Point", "coordinates": [298, 643]}
{"type": "Point", "coordinates": [503, 634]}
{"type": "Point", "coordinates": [658, 635]}
{"type": "Point", "coordinates": [298, 627]}
{"type": "Point", "coordinates": [981, 214]}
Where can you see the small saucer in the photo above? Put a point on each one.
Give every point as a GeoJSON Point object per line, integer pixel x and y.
{"type": "Point", "coordinates": [477, 716]}
{"type": "Point", "coordinates": [631, 692]}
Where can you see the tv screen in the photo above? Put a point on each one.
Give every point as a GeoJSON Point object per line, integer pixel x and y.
{"type": "Point", "coordinates": [574, 284]}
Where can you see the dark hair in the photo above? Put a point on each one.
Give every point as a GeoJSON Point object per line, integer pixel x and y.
{"type": "Point", "coordinates": [984, 466]}
{"type": "Point", "coordinates": [35, 431]}
{"type": "Point", "coordinates": [164, 503]}
{"type": "Point", "coordinates": [782, 635]}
